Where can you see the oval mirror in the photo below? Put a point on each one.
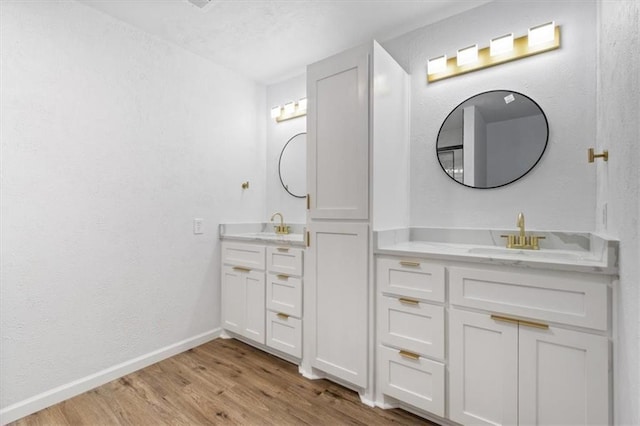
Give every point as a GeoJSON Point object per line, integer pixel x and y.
{"type": "Point", "coordinates": [492, 139]}
{"type": "Point", "coordinates": [292, 165]}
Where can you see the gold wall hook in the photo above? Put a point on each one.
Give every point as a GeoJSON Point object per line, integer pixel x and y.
{"type": "Point", "coordinates": [592, 155]}
{"type": "Point", "coordinates": [245, 185]}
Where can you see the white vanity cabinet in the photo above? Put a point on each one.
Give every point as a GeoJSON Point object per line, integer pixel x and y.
{"type": "Point", "coordinates": [518, 345]}
{"type": "Point", "coordinates": [519, 357]}
{"type": "Point", "coordinates": [243, 290]}
{"type": "Point", "coordinates": [284, 299]}
{"type": "Point", "coordinates": [411, 332]}
{"type": "Point", "coordinates": [262, 294]}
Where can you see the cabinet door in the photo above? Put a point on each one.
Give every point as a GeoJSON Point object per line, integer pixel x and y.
{"type": "Point", "coordinates": [337, 299]}
{"type": "Point", "coordinates": [338, 136]}
{"type": "Point", "coordinates": [232, 299]}
{"type": "Point", "coordinates": [254, 308]}
{"type": "Point", "coordinates": [483, 369]}
{"type": "Point", "coordinates": [563, 377]}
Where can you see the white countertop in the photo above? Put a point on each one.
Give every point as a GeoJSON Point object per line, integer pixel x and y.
{"type": "Point", "coordinates": [565, 251]}
{"type": "Point", "coordinates": [261, 233]}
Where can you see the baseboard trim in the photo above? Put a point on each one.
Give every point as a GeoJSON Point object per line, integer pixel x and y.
{"type": "Point", "coordinates": [46, 399]}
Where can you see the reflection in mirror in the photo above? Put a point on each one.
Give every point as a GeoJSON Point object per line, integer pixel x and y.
{"type": "Point", "coordinates": [292, 165]}
{"type": "Point", "coordinates": [492, 139]}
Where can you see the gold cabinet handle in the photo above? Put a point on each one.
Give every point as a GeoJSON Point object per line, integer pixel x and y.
{"type": "Point", "coordinates": [534, 324]}
{"type": "Point", "coordinates": [241, 269]}
{"type": "Point", "coordinates": [408, 301]}
{"type": "Point", "coordinates": [409, 355]}
{"type": "Point", "coordinates": [520, 322]}
{"type": "Point", "coordinates": [409, 263]}
{"type": "Point", "coordinates": [504, 319]}
{"type": "Point", "coordinates": [282, 277]}
{"type": "Point", "coordinates": [282, 316]}
{"type": "Point", "coordinates": [284, 249]}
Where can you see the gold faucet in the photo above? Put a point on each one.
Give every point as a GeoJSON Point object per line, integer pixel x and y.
{"type": "Point", "coordinates": [522, 241]}
{"type": "Point", "coordinates": [282, 228]}
{"type": "Point", "coordinates": [520, 224]}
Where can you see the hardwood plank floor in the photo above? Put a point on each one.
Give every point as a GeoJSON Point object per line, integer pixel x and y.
{"type": "Point", "coordinates": [220, 382]}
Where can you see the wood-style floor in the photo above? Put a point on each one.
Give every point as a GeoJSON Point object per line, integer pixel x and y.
{"type": "Point", "coordinates": [220, 382]}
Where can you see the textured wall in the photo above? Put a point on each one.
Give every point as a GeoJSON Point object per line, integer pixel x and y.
{"type": "Point", "coordinates": [562, 82]}
{"type": "Point", "coordinates": [619, 186]}
{"type": "Point", "coordinates": [293, 209]}
{"type": "Point", "coordinates": [112, 142]}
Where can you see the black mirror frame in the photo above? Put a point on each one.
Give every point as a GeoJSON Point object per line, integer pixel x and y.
{"type": "Point", "coordinates": [546, 142]}
{"type": "Point", "coordinates": [280, 166]}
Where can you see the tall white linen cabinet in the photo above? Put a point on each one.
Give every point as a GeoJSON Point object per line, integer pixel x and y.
{"type": "Point", "coordinates": [358, 182]}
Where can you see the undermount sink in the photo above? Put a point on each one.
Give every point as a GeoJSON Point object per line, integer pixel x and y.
{"type": "Point", "coordinates": [535, 254]}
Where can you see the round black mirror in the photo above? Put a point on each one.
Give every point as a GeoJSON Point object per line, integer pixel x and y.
{"type": "Point", "coordinates": [492, 139]}
{"type": "Point", "coordinates": [292, 165]}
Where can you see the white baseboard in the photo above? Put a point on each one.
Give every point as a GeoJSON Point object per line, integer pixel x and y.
{"type": "Point", "coordinates": [46, 399]}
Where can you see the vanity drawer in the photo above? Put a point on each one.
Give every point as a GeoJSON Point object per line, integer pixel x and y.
{"type": "Point", "coordinates": [412, 379]}
{"type": "Point", "coordinates": [284, 333]}
{"type": "Point", "coordinates": [244, 255]}
{"type": "Point", "coordinates": [284, 260]}
{"type": "Point", "coordinates": [284, 294]}
{"type": "Point", "coordinates": [572, 298]}
{"type": "Point", "coordinates": [416, 279]}
{"type": "Point", "coordinates": [412, 325]}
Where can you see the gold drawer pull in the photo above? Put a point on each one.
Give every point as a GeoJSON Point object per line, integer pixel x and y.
{"type": "Point", "coordinates": [504, 319]}
{"type": "Point", "coordinates": [282, 316]}
{"type": "Point", "coordinates": [282, 277]}
{"type": "Point", "coordinates": [409, 355]}
{"type": "Point", "coordinates": [241, 269]}
{"type": "Point", "coordinates": [534, 324]}
{"type": "Point", "coordinates": [407, 301]}
{"type": "Point", "coordinates": [520, 322]}
{"type": "Point", "coordinates": [285, 249]}
{"type": "Point", "coordinates": [409, 263]}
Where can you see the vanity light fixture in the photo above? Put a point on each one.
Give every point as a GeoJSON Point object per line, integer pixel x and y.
{"type": "Point", "coordinates": [467, 55]}
{"type": "Point", "coordinates": [541, 34]}
{"type": "Point", "coordinates": [289, 110]}
{"type": "Point", "coordinates": [506, 48]}
{"type": "Point", "coordinates": [501, 45]}
{"type": "Point", "coordinates": [437, 65]}
{"type": "Point", "coordinates": [302, 104]}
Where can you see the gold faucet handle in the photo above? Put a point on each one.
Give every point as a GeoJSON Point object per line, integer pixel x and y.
{"type": "Point", "coordinates": [511, 240]}
{"type": "Point", "coordinates": [282, 229]}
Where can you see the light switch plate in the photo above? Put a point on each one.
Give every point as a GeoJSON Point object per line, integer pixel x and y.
{"type": "Point", "coordinates": [198, 226]}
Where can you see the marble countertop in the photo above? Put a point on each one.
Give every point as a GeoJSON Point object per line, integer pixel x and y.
{"type": "Point", "coordinates": [564, 251]}
{"type": "Point", "coordinates": [261, 233]}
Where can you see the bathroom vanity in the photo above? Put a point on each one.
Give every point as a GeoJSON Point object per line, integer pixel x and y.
{"type": "Point", "coordinates": [476, 333]}
{"type": "Point", "coordinates": [262, 287]}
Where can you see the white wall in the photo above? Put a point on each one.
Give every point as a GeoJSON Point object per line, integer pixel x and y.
{"type": "Point", "coordinates": [278, 200]}
{"type": "Point", "coordinates": [562, 82]}
{"type": "Point", "coordinates": [618, 131]}
{"type": "Point", "coordinates": [112, 142]}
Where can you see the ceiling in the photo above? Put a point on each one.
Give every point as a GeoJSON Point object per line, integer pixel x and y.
{"type": "Point", "coordinates": [271, 40]}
